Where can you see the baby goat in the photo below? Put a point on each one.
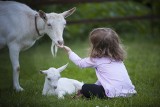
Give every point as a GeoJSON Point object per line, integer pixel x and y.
{"type": "Point", "coordinates": [55, 85]}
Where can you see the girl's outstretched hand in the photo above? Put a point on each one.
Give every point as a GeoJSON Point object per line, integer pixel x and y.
{"type": "Point", "coordinates": [66, 48]}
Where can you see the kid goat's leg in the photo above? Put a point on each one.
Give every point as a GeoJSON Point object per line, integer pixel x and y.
{"type": "Point", "coordinates": [61, 94]}
{"type": "Point", "coordinates": [14, 56]}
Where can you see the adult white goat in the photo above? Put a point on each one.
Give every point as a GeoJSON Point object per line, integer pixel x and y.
{"type": "Point", "coordinates": [55, 85]}
{"type": "Point", "coordinates": [20, 27]}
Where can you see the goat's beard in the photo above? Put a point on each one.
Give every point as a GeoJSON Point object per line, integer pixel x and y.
{"type": "Point", "coordinates": [54, 49]}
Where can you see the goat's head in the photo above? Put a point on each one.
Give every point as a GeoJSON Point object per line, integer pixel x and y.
{"type": "Point", "coordinates": [54, 26]}
{"type": "Point", "coordinates": [53, 75]}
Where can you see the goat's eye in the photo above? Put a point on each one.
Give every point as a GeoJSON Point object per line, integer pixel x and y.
{"type": "Point", "coordinates": [49, 79]}
{"type": "Point", "coordinates": [49, 25]}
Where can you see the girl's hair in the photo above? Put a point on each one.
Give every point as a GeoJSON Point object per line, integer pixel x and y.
{"type": "Point", "coordinates": [106, 43]}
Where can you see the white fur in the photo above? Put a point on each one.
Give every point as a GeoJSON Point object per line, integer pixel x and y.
{"type": "Point", "coordinates": [17, 30]}
{"type": "Point", "coordinates": [55, 85]}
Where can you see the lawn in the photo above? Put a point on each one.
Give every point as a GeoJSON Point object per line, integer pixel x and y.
{"type": "Point", "coordinates": [143, 65]}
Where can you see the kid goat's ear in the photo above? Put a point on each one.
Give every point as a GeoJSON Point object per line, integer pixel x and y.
{"type": "Point", "coordinates": [43, 71]}
{"type": "Point", "coordinates": [62, 68]}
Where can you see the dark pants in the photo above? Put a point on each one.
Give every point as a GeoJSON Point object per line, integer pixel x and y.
{"type": "Point", "coordinates": [92, 90]}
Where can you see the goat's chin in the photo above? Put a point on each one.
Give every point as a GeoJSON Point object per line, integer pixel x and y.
{"type": "Point", "coordinates": [54, 48]}
{"type": "Point", "coordinates": [60, 46]}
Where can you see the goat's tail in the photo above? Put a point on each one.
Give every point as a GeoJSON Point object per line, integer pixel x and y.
{"type": "Point", "coordinates": [78, 84]}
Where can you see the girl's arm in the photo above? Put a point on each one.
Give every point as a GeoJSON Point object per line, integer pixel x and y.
{"type": "Point", "coordinates": [82, 63]}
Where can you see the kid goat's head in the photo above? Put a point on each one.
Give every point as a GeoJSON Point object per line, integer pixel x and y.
{"type": "Point", "coordinates": [53, 75]}
{"type": "Point", "coordinates": [54, 26]}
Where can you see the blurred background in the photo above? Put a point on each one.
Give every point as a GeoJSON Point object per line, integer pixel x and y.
{"type": "Point", "coordinates": [126, 17]}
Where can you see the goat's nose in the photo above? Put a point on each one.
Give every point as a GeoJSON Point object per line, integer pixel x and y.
{"type": "Point", "coordinates": [60, 43]}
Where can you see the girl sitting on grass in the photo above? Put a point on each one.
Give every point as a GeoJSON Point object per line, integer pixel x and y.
{"type": "Point", "coordinates": [106, 57]}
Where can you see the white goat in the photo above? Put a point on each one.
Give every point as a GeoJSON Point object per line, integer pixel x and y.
{"type": "Point", "coordinates": [20, 27]}
{"type": "Point", "coordinates": [55, 85]}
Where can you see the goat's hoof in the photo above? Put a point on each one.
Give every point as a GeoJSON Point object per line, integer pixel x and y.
{"type": "Point", "coordinates": [19, 89]}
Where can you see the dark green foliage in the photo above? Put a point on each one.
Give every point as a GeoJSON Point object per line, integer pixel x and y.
{"type": "Point", "coordinates": [108, 10]}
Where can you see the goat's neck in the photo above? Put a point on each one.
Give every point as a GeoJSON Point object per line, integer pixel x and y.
{"type": "Point", "coordinates": [41, 25]}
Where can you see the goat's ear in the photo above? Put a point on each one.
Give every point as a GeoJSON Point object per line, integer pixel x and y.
{"type": "Point", "coordinates": [69, 12]}
{"type": "Point", "coordinates": [42, 14]}
{"type": "Point", "coordinates": [62, 68]}
{"type": "Point", "coordinates": [43, 72]}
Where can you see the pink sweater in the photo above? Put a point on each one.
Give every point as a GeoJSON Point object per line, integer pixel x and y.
{"type": "Point", "coordinates": [112, 75]}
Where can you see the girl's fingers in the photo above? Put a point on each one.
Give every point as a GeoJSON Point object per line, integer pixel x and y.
{"type": "Point", "coordinates": [67, 48]}
{"type": "Point", "coordinates": [60, 46]}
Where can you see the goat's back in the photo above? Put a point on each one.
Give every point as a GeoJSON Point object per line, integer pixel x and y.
{"type": "Point", "coordinates": [69, 85]}
{"type": "Point", "coordinates": [16, 19]}
{"type": "Point", "coordinates": [12, 6]}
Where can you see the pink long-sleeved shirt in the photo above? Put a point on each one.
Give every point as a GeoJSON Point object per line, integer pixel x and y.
{"type": "Point", "coordinates": [112, 75]}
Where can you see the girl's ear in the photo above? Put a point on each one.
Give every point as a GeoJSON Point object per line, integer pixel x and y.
{"type": "Point", "coordinates": [62, 68]}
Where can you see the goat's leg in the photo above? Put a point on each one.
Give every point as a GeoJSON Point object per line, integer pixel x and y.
{"type": "Point", "coordinates": [61, 94]}
{"type": "Point", "coordinates": [14, 56]}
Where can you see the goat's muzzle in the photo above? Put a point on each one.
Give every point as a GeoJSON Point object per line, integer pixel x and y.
{"type": "Point", "coordinates": [60, 43]}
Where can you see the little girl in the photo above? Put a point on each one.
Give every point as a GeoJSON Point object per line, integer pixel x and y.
{"type": "Point", "coordinates": [106, 57]}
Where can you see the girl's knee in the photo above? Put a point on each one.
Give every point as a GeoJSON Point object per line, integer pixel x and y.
{"type": "Point", "coordinates": [84, 87]}
{"type": "Point", "coordinates": [85, 91]}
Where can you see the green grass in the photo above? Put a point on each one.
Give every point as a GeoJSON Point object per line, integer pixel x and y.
{"type": "Point", "coordinates": [143, 64]}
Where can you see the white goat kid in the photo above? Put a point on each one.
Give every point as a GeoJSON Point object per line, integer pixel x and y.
{"type": "Point", "coordinates": [55, 85]}
{"type": "Point", "coordinates": [21, 27]}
